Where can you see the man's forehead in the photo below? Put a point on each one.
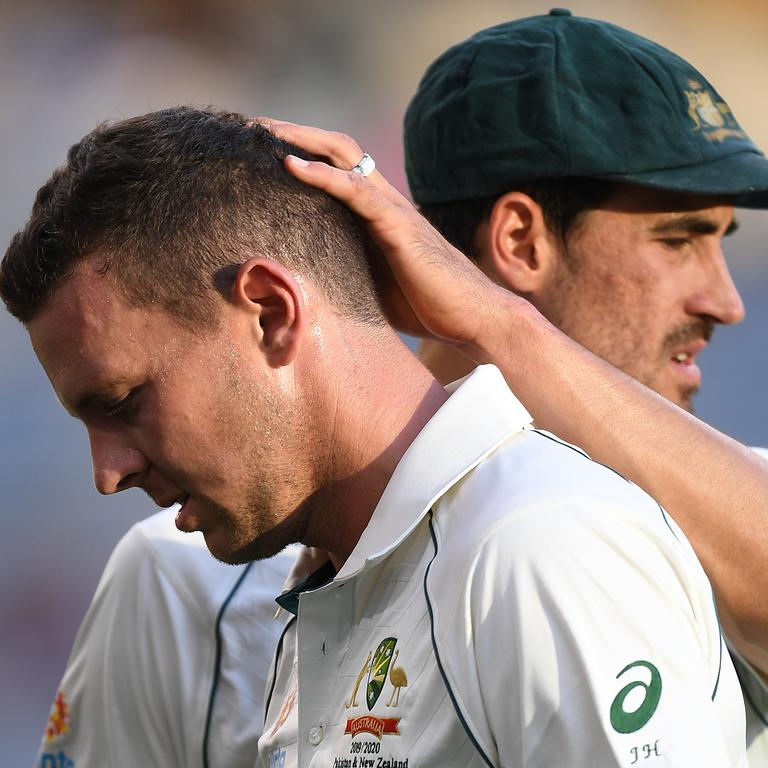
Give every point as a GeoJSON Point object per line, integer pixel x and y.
{"type": "Point", "coordinates": [85, 281]}
{"type": "Point", "coordinates": [83, 299]}
{"type": "Point", "coordinates": [89, 326]}
{"type": "Point", "coordinates": [633, 199]}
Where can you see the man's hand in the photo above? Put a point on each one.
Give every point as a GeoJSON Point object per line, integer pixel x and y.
{"type": "Point", "coordinates": [438, 291]}
{"type": "Point", "coordinates": [716, 489]}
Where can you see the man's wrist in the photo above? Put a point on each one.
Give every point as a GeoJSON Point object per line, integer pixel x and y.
{"type": "Point", "coordinates": [506, 329]}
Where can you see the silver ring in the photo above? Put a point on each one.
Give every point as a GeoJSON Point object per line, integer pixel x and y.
{"type": "Point", "coordinates": [366, 166]}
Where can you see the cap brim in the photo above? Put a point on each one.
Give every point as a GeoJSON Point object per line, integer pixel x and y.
{"type": "Point", "coordinates": [742, 176]}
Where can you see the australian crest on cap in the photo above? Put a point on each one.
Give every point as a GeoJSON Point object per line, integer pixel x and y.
{"type": "Point", "coordinates": [711, 116]}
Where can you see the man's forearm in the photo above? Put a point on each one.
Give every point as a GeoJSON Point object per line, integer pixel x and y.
{"type": "Point", "coordinates": [714, 487]}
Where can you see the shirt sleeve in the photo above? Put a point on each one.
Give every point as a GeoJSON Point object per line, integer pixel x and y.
{"type": "Point", "coordinates": [589, 638]}
{"type": "Point", "coordinates": [120, 699]}
{"type": "Point", "coordinates": [755, 692]}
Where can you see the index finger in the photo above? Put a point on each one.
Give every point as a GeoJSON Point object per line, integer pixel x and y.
{"type": "Point", "coordinates": [339, 149]}
{"type": "Point", "coordinates": [382, 211]}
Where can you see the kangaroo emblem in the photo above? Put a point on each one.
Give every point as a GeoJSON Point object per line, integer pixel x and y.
{"type": "Point", "coordinates": [353, 700]}
{"type": "Point", "coordinates": [399, 680]}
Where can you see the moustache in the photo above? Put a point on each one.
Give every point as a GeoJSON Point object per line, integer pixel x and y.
{"type": "Point", "coordinates": [684, 334]}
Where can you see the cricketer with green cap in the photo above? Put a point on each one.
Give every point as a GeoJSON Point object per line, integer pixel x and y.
{"type": "Point", "coordinates": [593, 172]}
{"type": "Point", "coordinates": [557, 96]}
{"type": "Point", "coordinates": [563, 200]}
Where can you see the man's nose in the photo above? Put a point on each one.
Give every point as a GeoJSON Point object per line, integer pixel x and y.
{"type": "Point", "coordinates": [716, 296]}
{"type": "Point", "coordinates": [116, 465]}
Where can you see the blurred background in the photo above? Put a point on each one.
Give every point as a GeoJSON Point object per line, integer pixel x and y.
{"type": "Point", "coordinates": [346, 64]}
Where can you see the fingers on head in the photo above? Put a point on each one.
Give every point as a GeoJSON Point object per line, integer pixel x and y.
{"type": "Point", "coordinates": [337, 147]}
{"type": "Point", "coordinates": [343, 149]}
{"type": "Point", "coordinates": [355, 181]}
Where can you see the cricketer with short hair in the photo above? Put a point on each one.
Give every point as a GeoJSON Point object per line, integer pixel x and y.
{"type": "Point", "coordinates": [281, 408]}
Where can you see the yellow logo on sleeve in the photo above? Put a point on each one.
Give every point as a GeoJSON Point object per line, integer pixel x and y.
{"type": "Point", "coordinates": [58, 720]}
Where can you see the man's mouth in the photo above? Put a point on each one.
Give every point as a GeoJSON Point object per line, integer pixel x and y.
{"type": "Point", "coordinates": [185, 520]}
{"type": "Point", "coordinates": [684, 362]}
{"type": "Point", "coordinates": [166, 501]}
{"type": "Point", "coordinates": [686, 355]}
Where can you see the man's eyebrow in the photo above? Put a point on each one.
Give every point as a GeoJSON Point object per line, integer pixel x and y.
{"type": "Point", "coordinates": [697, 225]}
{"type": "Point", "coordinates": [103, 396]}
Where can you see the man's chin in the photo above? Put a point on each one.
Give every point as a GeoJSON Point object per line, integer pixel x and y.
{"type": "Point", "coordinates": [235, 553]}
{"type": "Point", "coordinates": [685, 399]}
{"type": "Point", "coordinates": [241, 538]}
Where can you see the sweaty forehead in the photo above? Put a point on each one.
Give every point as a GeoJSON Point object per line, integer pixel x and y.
{"type": "Point", "coordinates": [66, 310]}
{"type": "Point", "coordinates": [85, 301]}
{"type": "Point", "coordinates": [88, 335]}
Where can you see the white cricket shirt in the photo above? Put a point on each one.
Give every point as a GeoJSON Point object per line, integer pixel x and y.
{"type": "Point", "coordinates": [755, 700]}
{"type": "Point", "coordinates": [756, 704]}
{"type": "Point", "coordinates": [511, 603]}
{"type": "Point", "coordinates": [169, 665]}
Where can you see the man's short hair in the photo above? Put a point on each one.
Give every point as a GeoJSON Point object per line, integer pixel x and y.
{"type": "Point", "coordinates": [562, 201]}
{"type": "Point", "coordinates": [175, 201]}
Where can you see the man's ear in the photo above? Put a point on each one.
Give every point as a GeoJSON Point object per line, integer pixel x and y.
{"type": "Point", "coordinates": [273, 302]}
{"type": "Point", "coordinates": [519, 250]}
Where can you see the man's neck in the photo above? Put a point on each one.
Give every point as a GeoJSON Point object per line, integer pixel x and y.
{"type": "Point", "coordinates": [444, 362]}
{"type": "Point", "coordinates": [375, 410]}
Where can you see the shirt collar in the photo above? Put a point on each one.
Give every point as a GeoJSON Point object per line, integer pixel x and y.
{"type": "Point", "coordinates": [479, 415]}
{"type": "Point", "coordinates": [289, 600]}
{"type": "Point", "coordinates": [310, 570]}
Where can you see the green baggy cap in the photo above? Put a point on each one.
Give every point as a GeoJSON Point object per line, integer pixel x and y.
{"type": "Point", "coordinates": [556, 95]}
